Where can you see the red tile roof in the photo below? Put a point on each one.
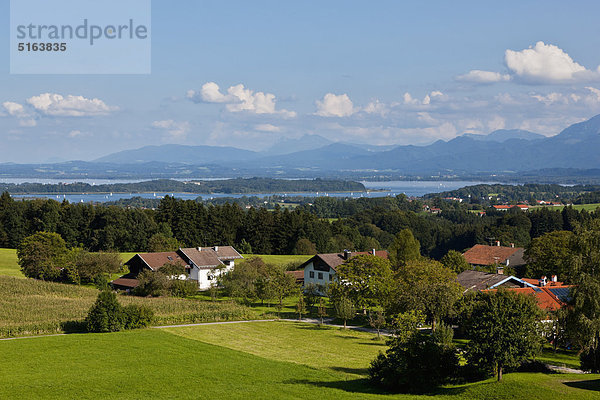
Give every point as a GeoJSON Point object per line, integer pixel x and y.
{"type": "Point", "coordinates": [126, 282]}
{"type": "Point", "coordinates": [157, 260]}
{"type": "Point", "coordinates": [298, 275]}
{"type": "Point", "coordinates": [489, 255]}
{"type": "Point", "coordinates": [546, 299]}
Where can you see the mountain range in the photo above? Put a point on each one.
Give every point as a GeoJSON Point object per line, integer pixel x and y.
{"type": "Point", "coordinates": [500, 152]}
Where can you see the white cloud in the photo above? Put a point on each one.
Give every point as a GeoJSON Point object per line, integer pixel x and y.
{"type": "Point", "coordinates": [239, 98]}
{"type": "Point", "coordinates": [175, 129]}
{"type": "Point", "coordinates": [478, 76]}
{"type": "Point", "coordinates": [376, 107]}
{"type": "Point", "coordinates": [334, 105]}
{"type": "Point", "coordinates": [546, 63]}
{"type": "Point", "coordinates": [267, 128]}
{"type": "Point", "coordinates": [409, 100]}
{"type": "Point", "coordinates": [69, 106]}
{"type": "Point", "coordinates": [14, 109]}
{"type": "Point", "coordinates": [17, 110]}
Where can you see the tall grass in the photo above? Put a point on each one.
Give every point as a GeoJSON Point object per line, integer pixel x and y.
{"type": "Point", "coordinates": [31, 307]}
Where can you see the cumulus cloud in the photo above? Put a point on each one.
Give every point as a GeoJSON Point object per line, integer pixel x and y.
{"type": "Point", "coordinates": [267, 128]}
{"type": "Point", "coordinates": [334, 105]}
{"type": "Point", "coordinates": [546, 63]}
{"type": "Point", "coordinates": [376, 107]}
{"type": "Point", "coordinates": [238, 98]}
{"type": "Point", "coordinates": [174, 128]}
{"type": "Point", "coordinates": [70, 106]}
{"type": "Point", "coordinates": [483, 77]}
{"type": "Point", "coordinates": [409, 100]}
{"type": "Point", "coordinates": [17, 110]}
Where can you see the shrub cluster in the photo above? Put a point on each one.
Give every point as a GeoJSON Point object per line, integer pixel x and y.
{"type": "Point", "coordinates": [108, 315]}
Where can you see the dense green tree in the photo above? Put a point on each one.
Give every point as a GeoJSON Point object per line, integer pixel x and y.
{"type": "Point", "coordinates": [366, 280]}
{"type": "Point", "coordinates": [455, 262]}
{"type": "Point", "coordinates": [89, 266]}
{"type": "Point", "coordinates": [405, 248]}
{"type": "Point", "coordinates": [42, 256]}
{"type": "Point", "coordinates": [106, 315]}
{"type": "Point", "coordinates": [416, 362]}
{"type": "Point", "coordinates": [504, 330]}
{"type": "Point", "coordinates": [428, 286]}
{"type": "Point", "coordinates": [344, 309]}
{"type": "Point", "coordinates": [305, 246]}
{"type": "Point", "coordinates": [550, 254]}
{"type": "Point", "coordinates": [160, 242]}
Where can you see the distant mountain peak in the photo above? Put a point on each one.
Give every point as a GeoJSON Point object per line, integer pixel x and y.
{"type": "Point", "coordinates": [502, 135]}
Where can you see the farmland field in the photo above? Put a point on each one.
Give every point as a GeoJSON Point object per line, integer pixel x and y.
{"type": "Point", "coordinates": [30, 307]}
{"type": "Point", "coordinates": [182, 363]}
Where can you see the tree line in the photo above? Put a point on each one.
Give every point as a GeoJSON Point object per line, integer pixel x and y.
{"type": "Point", "coordinates": [328, 225]}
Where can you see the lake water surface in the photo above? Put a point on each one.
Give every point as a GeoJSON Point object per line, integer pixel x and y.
{"type": "Point", "coordinates": [374, 189]}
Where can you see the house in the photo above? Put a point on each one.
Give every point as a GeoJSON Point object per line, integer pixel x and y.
{"type": "Point", "coordinates": [321, 268]}
{"type": "Point", "coordinates": [504, 207]}
{"type": "Point", "coordinates": [484, 256]}
{"type": "Point", "coordinates": [201, 264]}
{"type": "Point", "coordinates": [472, 280]}
{"type": "Point", "coordinates": [551, 295]}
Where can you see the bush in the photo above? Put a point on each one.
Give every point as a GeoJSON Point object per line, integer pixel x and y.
{"type": "Point", "coordinates": [416, 362]}
{"type": "Point", "coordinates": [183, 288]}
{"type": "Point", "coordinates": [152, 284]}
{"type": "Point", "coordinates": [106, 315]}
{"type": "Point", "coordinates": [137, 316]}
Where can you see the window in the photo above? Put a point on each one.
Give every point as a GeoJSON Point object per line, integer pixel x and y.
{"type": "Point", "coordinates": [311, 274]}
{"type": "Point", "coordinates": [320, 275]}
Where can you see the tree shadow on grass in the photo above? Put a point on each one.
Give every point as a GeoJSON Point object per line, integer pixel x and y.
{"type": "Point", "coordinates": [593, 385]}
{"type": "Point", "coordinates": [363, 386]}
{"type": "Point", "coordinates": [355, 371]}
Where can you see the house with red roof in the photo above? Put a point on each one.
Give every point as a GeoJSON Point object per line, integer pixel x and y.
{"type": "Point", "coordinates": [201, 264]}
{"type": "Point", "coordinates": [484, 256]}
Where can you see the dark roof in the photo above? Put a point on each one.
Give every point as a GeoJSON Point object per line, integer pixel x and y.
{"type": "Point", "coordinates": [128, 283]}
{"type": "Point", "coordinates": [224, 252]}
{"type": "Point", "coordinates": [206, 257]}
{"type": "Point", "coordinates": [334, 260]}
{"type": "Point", "coordinates": [477, 280]}
{"type": "Point", "coordinates": [157, 260]}
{"type": "Point", "coordinates": [489, 255]}
{"type": "Point", "coordinates": [299, 275]}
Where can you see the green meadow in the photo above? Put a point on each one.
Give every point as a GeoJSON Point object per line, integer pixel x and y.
{"type": "Point", "coordinates": [225, 362]}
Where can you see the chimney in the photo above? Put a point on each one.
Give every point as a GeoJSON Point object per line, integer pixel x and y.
{"type": "Point", "coordinates": [374, 252]}
{"type": "Point", "coordinates": [216, 248]}
{"type": "Point", "coordinates": [347, 254]}
{"type": "Point", "coordinates": [554, 278]}
{"type": "Point", "coordinates": [543, 280]}
{"type": "Point", "coordinates": [500, 270]}
{"type": "Point", "coordinates": [199, 248]}
{"type": "Point", "coordinates": [512, 245]}
{"type": "Point", "coordinates": [498, 243]}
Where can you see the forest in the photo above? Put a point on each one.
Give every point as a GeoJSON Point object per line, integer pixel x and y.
{"type": "Point", "coordinates": [330, 224]}
{"type": "Point", "coordinates": [238, 185]}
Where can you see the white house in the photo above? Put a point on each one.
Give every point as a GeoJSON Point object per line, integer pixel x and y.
{"type": "Point", "coordinates": [201, 264]}
{"type": "Point", "coordinates": [321, 268]}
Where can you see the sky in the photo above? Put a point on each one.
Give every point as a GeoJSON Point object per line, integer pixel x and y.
{"type": "Point", "coordinates": [251, 74]}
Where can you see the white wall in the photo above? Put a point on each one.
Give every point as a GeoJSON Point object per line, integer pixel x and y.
{"type": "Point", "coordinates": [325, 280]}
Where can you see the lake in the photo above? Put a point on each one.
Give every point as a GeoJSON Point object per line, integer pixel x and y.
{"type": "Point", "coordinates": [375, 189]}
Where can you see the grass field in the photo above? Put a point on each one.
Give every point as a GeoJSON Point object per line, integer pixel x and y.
{"type": "Point", "coordinates": [183, 363]}
{"type": "Point", "coordinates": [587, 207]}
{"type": "Point", "coordinates": [280, 259]}
{"type": "Point", "coordinates": [30, 307]}
{"type": "Point", "coordinates": [8, 263]}
{"type": "Point", "coordinates": [9, 266]}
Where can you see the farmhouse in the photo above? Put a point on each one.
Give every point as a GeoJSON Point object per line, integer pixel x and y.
{"type": "Point", "coordinates": [551, 294]}
{"type": "Point", "coordinates": [321, 269]}
{"type": "Point", "coordinates": [485, 256]}
{"type": "Point", "coordinates": [201, 264]}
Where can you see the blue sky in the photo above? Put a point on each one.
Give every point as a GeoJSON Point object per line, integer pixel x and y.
{"type": "Point", "coordinates": [384, 72]}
